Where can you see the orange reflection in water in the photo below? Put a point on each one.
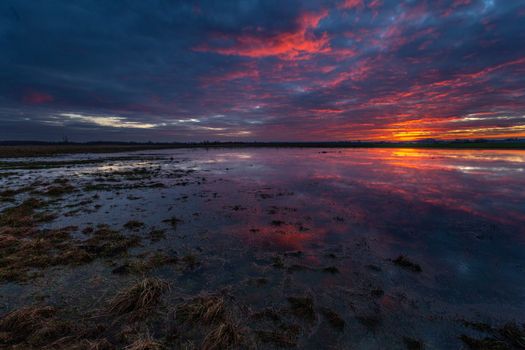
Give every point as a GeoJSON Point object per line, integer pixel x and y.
{"type": "Point", "coordinates": [337, 192]}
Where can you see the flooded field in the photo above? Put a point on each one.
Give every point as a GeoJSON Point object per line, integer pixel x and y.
{"type": "Point", "coordinates": [264, 248]}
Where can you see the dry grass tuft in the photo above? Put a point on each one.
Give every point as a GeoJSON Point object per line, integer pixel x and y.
{"type": "Point", "coordinates": [23, 215]}
{"type": "Point", "coordinates": [145, 342]}
{"type": "Point", "coordinates": [25, 321]}
{"type": "Point", "coordinates": [138, 299]}
{"type": "Point", "coordinates": [36, 327]}
{"type": "Point", "coordinates": [203, 309]}
{"type": "Point", "coordinates": [224, 336]}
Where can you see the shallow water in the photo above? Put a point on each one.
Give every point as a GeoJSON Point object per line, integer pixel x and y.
{"type": "Point", "coordinates": [459, 214]}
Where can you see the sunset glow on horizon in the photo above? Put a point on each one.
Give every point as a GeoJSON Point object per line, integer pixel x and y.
{"type": "Point", "coordinates": [326, 70]}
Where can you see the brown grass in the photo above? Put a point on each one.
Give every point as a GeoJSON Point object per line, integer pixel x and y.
{"type": "Point", "coordinates": [36, 327]}
{"type": "Point", "coordinates": [139, 299]}
{"type": "Point", "coordinates": [105, 242]}
{"type": "Point", "coordinates": [18, 256]}
{"type": "Point", "coordinates": [59, 190]}
{"type": "Point", "coordinates": [224, 336]}
{"type": "Point", "coordinates": [145, 342]}
{"type": "Point", "coordinates": [25, 248]}
{"type": "Point", "coordinates": [26, 320]}
{"type": "Point", "coordinates": [23, 215]}
{"type": "Point", "coordinates": [144, 264]}
{"type": "Point", "coordinates": [205, 309]}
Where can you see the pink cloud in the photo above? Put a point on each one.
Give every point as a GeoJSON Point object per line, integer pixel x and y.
{"type": "Point", "coordinates": [300, 43]}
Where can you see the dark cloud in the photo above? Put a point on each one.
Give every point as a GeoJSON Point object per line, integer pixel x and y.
{"type": "Point", "coordinates": [261, 70]}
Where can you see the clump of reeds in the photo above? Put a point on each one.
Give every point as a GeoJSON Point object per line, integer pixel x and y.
{"type": "Point", "coordinates": [35, 327]}
{"type": "Point", "coordinates": [22, 215]}
{"type": "Point", "coordinates": [224, 336]}
{"type": "Point", "coordinates": [214, 315]}
{"type": "Point", "coordinates": [25, 321]}
{"type": "Point", "coordinates": [138, 299]}
{"type": "Point", "coordinates": [145, 342]}
{"type": "Point", "coordinates": [205, 309]}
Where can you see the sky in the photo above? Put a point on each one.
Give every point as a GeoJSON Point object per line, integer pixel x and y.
{"type": "Point", "coordinates": [261, 70]}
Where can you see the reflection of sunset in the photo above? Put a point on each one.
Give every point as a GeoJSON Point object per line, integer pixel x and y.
{"type": "Point", "coordinates": [367, 186]}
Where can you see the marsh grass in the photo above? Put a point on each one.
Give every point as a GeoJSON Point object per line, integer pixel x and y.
{"type": "Point", "coordinates": [106, 242]}
{"type": "Point", "coordinates": [225, 335]}
{"type": "Point", "coordinates": [143, 264]}
{"type": "Point", "coordinates": [215, 318]}
{"type": "Point", "coordinates": [138, 300]}
{"type": "Point", "coordinates": [37, 327]}
{"type": "Point", "coordinates": [24, 248]}
{"type": "Point", "coordinates": [25, 321]}
{"type": "Point", "coordinates": [10, 194]}
{"type": "Point", "coordinates": [145, 342]}
{"type": "Point", "coordinates": [56, 191]}
{"type": "Point", "coordinates": [204, 309]}
{"type": "Point", "coordinates": [24, 215]}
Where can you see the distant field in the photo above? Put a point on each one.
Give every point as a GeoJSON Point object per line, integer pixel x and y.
{"type": "Point", "coordinates": [41, 150]}
{"type": "Point", "coordinates": [50, 150]}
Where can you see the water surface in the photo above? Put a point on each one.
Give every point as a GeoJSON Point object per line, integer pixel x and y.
{"type": "Point", "coordinates": [333, 219]}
